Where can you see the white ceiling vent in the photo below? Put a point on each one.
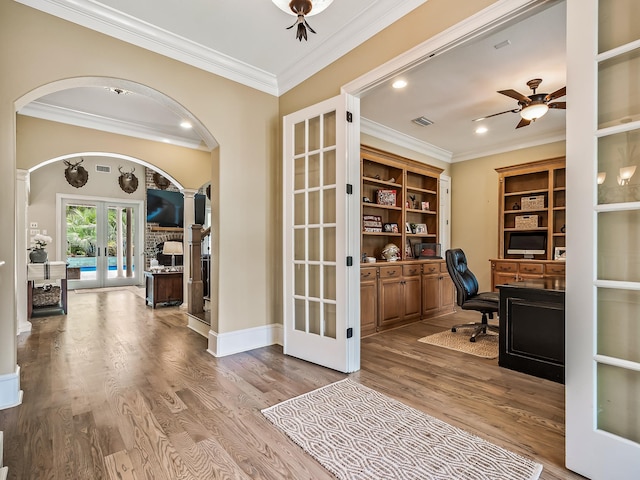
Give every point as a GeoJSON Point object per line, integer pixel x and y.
{"type": "Point", "coordinates": [103, 168]}
{"type": "Point", "coordinates": [422, 121]}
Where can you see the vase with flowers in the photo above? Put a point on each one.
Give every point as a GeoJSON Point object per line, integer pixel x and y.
{"type": "Point", "coordinates": [38, 254]}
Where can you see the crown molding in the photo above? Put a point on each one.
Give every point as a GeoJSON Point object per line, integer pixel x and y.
{"type": "Point", "coordinates": [98, 122]}
{"type": "Point", "coordinates": [387, 134]}
{"type": "Point", "coordinates": [509, 148]}
{"type": "Point", "coordinates": [98, 17]}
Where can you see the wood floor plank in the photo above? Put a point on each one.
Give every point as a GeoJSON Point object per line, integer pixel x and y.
{"type": "Point", "coordinates": [118, 390]}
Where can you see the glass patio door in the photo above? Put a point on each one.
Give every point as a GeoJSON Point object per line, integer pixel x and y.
{"type": "Point", "coordinates": [102, 242]}
{"type": "Point", "coordinates": [603, 235]}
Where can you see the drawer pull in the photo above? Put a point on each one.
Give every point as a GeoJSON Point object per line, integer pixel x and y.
{"type": "Point", "coordinates": [391, 272]}
{"type": "Point", "coordinates": [368, 274]}
{"type": "Point", "coordinates": [413, 271]}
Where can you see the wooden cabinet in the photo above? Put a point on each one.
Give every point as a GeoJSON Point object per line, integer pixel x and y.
{"type": "Point", "coordinates": [400, 206]}
{"type": "Point", "coordinates": [163, 287]}
{"type": "Point", "coordinates": [395, 294]}
{"type": "Point", "coordinates": [532, 208]}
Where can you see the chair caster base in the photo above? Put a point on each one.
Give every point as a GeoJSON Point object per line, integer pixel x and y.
{"type": "Point", "coordinates": [453, 329]}
{"type": "Point", "coordinates": [472, 339]}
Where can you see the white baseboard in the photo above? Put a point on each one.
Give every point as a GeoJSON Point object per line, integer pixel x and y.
{"type": "Point", "coordinates": [1, 449]}
{"type": "Point", "coordinates": [10, 393]}
{"type": "Point", "coordinates": [24, 326]}
{"type": "Point", "coordinates": [198, 326]}
{"type": "Point", "coordinates": [223, 344]}
{"type": "Point", "coordinates": [4, 471]}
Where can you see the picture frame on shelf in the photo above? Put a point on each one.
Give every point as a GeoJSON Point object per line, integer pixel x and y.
{"type": "Point", "coordinates": [560, 253]}
{"type": "Point", "coordinates": [386, 197]}
{"type": "Point", "coordinates": [408, 249]}
{"type": "Point", "coordinates": [372, 223]}
{"type": "Point", "coordinates": [407, 228]}
{"type": "Point", "coordinates": [391, 228]}
{"type": "Point", "coordinates": [424, 206]}
{"type": "Point", "coordinates": [421, 228]}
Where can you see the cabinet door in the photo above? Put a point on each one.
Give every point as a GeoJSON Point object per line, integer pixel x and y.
{"type": "Point", "coordinates": [430, 294]}
{"type": "Point", "coordinates": [447, 298]}
{"type": "Point", "coordinates": [501, 278]}
{"type": "Point", "coordinates": [368, 307]}
{"type": "Point", "coordinates": [412, 296]}
{"type": "Point", "coordinates": [391, 300]}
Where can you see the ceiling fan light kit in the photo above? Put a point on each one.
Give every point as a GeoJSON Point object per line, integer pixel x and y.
{"type": "Point", "coordinates": [535, 105]}
{"type": "Point", "coordinates": [302, 9]}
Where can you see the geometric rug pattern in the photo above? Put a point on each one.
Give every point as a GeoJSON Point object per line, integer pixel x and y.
{"type": "Point", "coordinates": [357, 433]}
{"type": "Point", "coordinates": [485, 346]}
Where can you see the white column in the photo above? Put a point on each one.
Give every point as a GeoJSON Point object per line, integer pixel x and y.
{"type": "Point", "coordinates": [189, 219]}
{"type": "Point", "coordinates": [22, 200]}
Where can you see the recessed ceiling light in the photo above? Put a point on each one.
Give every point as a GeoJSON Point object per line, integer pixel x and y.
{"type": "Point", "coordinates": [399, 84]}
{"type": "Point", "coordinates": [481, 130]}
{"type": "Point", "coordinates": [185, 125]}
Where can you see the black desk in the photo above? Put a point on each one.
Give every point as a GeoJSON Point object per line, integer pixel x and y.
{"type": "Point", "coordinates": [532, 328]}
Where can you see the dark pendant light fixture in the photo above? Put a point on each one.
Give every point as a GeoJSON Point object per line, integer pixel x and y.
{"type": "Point", "coordinates": [302, 9]}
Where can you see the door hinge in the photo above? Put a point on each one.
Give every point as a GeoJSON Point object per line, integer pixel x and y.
{"type": "Point", "coordinates": [349, 117]}
{"type": "Point", "coordinates": [349, 189]}
{"type": "Point", "coordinates": [349, 332]}
{"type": "Point", "coordinates": [349, 261]}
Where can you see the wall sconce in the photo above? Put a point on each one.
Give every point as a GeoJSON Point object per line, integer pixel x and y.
{"type": "Point", "coordinates": [601, 177]}
{"type": "Point", "coordinates": [173, 249]}
{"type": "Point", "coordinates": [625, 174]}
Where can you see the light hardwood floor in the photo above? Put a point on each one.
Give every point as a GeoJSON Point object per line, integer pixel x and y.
{"type": "Point", "coordinates": [117, 390]}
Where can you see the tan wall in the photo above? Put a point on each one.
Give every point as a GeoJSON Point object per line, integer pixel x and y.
{"type": "Point", "coordinates": [474, 204]}
{"type": "Point", "coordinates": [49, 180]}
{"type": "Point", "coordinates": [39, 49]}
{"type": "Point", "coordinates": [41, 140]}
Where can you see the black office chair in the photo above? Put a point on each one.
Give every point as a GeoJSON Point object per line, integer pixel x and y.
{"type": "Point", "coordinates": [468, 297]}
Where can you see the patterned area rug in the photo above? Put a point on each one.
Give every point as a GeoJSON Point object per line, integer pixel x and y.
{"type": "Point", "coordinates": [485, 346]}
{"type": "Point", "coordinates": [359, 434]}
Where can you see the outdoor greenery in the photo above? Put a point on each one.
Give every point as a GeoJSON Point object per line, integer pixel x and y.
{"type": "Point", "coordinates": [81, 230]}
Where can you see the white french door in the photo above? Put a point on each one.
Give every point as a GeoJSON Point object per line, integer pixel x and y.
{"type": "Point", "coordinates": [321, 228]}
{"type": "Point", "coordinates": [603, 239]}
{"type": "Point", "coordinates": [103, 241]}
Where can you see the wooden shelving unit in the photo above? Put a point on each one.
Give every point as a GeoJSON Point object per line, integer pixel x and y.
{"type": "Point", "coordinates": [410, 289]}
{"type": "Point", "coordinates": [544, 180]}
{"type": "Point", "coordinates": [415, 185]}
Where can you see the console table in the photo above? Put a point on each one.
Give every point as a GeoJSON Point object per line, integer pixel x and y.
{"type": "Point", "coordinates": [532, 327]}
{"type": "Point", "coordinates": [163, 287]}
{"type": "Point", "coordinates": [47, 273]}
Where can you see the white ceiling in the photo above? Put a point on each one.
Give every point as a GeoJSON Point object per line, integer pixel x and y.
{"type": "Point", "coordinates": [252, 46]}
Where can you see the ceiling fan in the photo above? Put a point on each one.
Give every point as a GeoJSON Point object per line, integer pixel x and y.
{"type": "Point", "coordinates": [534, 106]}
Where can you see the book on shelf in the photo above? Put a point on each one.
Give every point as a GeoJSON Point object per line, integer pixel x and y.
{"type": "Point", "coordinates": [372, 223]}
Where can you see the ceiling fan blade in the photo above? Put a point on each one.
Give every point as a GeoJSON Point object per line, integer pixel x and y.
{"type": "Point", "coordinates": [562, 105]}
{"type": "Point", "coordinates": [517, 95]}
{"type": "Point", "coordinates": [561, 92]}
{"type": "Point", "coordinates": [523, 123]}
{"type": "Point", "coordinates": [513, 110]}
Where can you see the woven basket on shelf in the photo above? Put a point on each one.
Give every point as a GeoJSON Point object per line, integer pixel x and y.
{"type": "Point", "coordinates": [46, 296]}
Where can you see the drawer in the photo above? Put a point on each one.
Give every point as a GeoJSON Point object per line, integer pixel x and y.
{"type": "Point", "coordinates": [555, 269]}
{"type": "Point", "coordinates": [507, 267]}
{"type": "Point", "coordinates": [367, 274]}
{"type": "Point", "coordinates": [430, 268]}
{"type": "Point", "coordinates": [532, 268]}
{"type": "Point", "coordinates": [410, 270]}
{"type": "Point", "coordinates": [391, 272]}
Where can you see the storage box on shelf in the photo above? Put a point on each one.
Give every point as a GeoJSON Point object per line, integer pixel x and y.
{"type": "Point", "coordinates": [531, 199]}
{"type": "Point", "coordinates": [400, 206]}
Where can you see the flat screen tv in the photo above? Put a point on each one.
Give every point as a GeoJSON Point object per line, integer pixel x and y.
{"type": "Point", "coordinates": [527, 244]}
{"type": "Point", "coordinates": [166, 208]}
